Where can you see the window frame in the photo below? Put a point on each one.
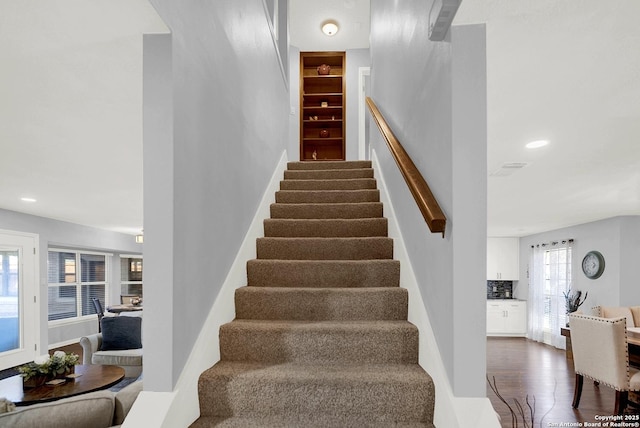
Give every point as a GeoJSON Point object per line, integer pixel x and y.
{"type": "Point", "coordinates": [548, 296]}
{"type": "Point", "coordinates": [79, 283]}
{"type": "Point", "coordinates": [128, 282]}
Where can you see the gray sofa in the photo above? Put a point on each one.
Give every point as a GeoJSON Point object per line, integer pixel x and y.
{"type": "Point", "coordinates": [100, 409]}
{"type": "Point", "coordinates": [130, 359]}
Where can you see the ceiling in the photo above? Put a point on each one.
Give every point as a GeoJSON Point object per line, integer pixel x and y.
{"type": "Point", "coordinates": [71, 109]}
{"type": "Point", "coordinates": [569, 72]}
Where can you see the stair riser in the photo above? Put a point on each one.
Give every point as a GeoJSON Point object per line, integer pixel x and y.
{"type": "Point", "coordinates": [329, 165]}
{"type": "Point", "coordinates": [354, 184]}
{"type": "Point", "coordinates": [251, 397]}
{"type": "Point", "coordinates": [327, 174]}
{"type": "Point", "coordinates": [326, 211]}
{"type": "Point", "coordinates": [361, 273]}
{"type": "Point", "coordinates": [321, 421]}
{"type": "Point", "coordinates": [325, 248]}
{"type": "Point", "coordinates": [326, 196]}
{"type": "Point", "coordinates": [325, 228]}
{"type": "Point", "coordinates": [309, 345]}
{"type": "Point", "coordinates": [301, 304]}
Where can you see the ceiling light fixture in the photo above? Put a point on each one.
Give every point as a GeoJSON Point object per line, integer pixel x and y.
{"type": "Point", "coordinates": [537, 144]}
{"type": "Point", "coordinates": [330, 28]}
{"type": "Point", "coordinates": [28, 200]}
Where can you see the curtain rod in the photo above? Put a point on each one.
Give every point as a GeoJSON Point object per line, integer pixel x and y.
{"type": "Point", "coordinates": [552, 243]}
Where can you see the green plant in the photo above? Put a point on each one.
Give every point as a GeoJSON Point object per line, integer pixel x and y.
{"type": "Point", "coordinates": [49, 365]}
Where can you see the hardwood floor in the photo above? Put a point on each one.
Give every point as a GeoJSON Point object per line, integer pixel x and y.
{"type": "Point", "coordinates": [523, 367]}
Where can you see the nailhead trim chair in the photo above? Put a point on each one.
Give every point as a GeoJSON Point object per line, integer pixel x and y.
{"type": "Point", "coordinates": [601, 353]}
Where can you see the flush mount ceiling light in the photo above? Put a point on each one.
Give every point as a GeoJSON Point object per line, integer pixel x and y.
{"type": "Point", "coordinates": [330, 28]}
{"type": "Point", "coordinates": [537, 144]}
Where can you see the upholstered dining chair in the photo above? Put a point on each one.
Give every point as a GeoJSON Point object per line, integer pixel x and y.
{"type": "Point", "coordinates": [600, 352]}
{"type": "Point", "coordinates": [99, 311]}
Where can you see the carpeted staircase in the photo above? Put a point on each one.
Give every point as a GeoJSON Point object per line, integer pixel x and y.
{"type": "Point", "coordinates": [321, 337]}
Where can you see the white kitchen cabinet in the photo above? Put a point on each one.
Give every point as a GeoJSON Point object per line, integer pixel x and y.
{"type": "Point", "coordinates": [506, 318]}
{"type": "Point", "coordinates": [503, 260]}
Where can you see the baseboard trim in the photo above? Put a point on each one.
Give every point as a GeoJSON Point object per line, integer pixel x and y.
{"type": "Point", "coordinates": [181, 407]}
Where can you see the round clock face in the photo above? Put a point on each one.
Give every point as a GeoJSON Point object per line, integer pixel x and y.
{"type": "Point", "coordinates": [593, 264]}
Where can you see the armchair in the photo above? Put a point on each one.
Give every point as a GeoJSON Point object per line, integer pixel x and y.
{"type": "Point", "coordinates": [600, 352]}
{"type": "Point", "coordinates": [129, 359]}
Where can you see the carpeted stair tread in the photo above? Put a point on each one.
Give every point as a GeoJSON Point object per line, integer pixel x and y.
{"type": "Point", "coordinates": [318, 421]}
{"type": "Point", "coordinates": [327, 210]}
{"type": "Point", "coordinates": [329, 165]}
{"type": "Point", "coordinates": [327, 196]}
{"type": "Point", "coordinates": [379, 392]}
{"type": "Point", "coordinates": [326, 227]}
{"type": "Point", "coordinates": [321, 337]}
{"type": "Point", "coordinates": [323, 273]}
{"type": "Point", "coordinates": [337, 184]}
{"type": "Point", "coordinates": [279, 341]}
{"type": "Point", "coordinates": [310, 304]}
{"type": "Point", "coordinates": [325, 248]}
{"type": "Point", "coordinates": [327, 174]}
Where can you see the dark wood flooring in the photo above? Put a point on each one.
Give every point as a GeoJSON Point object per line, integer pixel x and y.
{"type": "Point", "coordinates": [523, 367]}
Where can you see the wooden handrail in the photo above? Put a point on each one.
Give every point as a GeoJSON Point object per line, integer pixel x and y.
{"type": "Point", "coordinates": [427, 203]}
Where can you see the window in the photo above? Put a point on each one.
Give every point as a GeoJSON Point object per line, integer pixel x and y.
{"type": "Point", "coordinates": [549, 278]}
{"type": "Point", "coordinates": [131, 275]}
{"type": "Point", "coordinates": [74, 278]}
{"type": "Point", "coordinates": [557, 279]}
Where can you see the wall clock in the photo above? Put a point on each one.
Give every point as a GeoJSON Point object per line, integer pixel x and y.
{"type": "Point", "coordinates": [593, 264]}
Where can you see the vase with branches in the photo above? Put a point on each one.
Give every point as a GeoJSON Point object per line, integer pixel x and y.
{"type": "Point", "coordinates": [573, 300]}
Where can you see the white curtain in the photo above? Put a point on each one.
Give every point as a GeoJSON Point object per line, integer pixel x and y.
{"type": "Point", "coordinates": [549, 279]}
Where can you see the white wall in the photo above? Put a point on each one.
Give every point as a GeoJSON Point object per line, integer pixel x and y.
{"type": "Point", "coordinates": [230, 123]}
{"type": "Point", "coordinates": [54, 233]}
{"type": "Point", "coordinates": [617, 238]}
{"type": "Point", "coordinates": [433, 96]}
{"type": "Point", "coordinates": [355, 58]}
{"type": "Point", "coordinates": [293, 149]}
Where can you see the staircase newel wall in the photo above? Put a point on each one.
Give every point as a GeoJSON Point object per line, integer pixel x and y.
{"type": "Point", "coordinates": [450, 411]}
{"type": "Point", "coordinates": [423, 97]}
{"type": "Point", "coordinates": [158, 193]}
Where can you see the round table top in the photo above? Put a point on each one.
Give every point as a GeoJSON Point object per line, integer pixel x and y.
{"type": "Point", "coordinates": [126, 307]}
{"type": "Point", "coordinates": [89, 378]}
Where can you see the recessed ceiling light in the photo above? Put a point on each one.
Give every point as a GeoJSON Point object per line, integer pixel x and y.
{"type": "Point", "coordinates": [330, 28]}
{"type": "Point", "coordinates": [27, 200]}
{"type": "Point", "coordinates": [537, 144]}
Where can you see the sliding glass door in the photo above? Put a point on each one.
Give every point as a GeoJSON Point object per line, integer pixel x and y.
{"type": "Point", "coordinates": [18, 307]}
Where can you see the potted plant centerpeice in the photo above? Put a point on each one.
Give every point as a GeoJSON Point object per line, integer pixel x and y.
{"type": "Point", "coordinates": [47, 367]}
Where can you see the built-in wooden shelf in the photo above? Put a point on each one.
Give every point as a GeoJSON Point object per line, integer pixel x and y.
{"type": "Point", "coordinates": [322, 105]}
